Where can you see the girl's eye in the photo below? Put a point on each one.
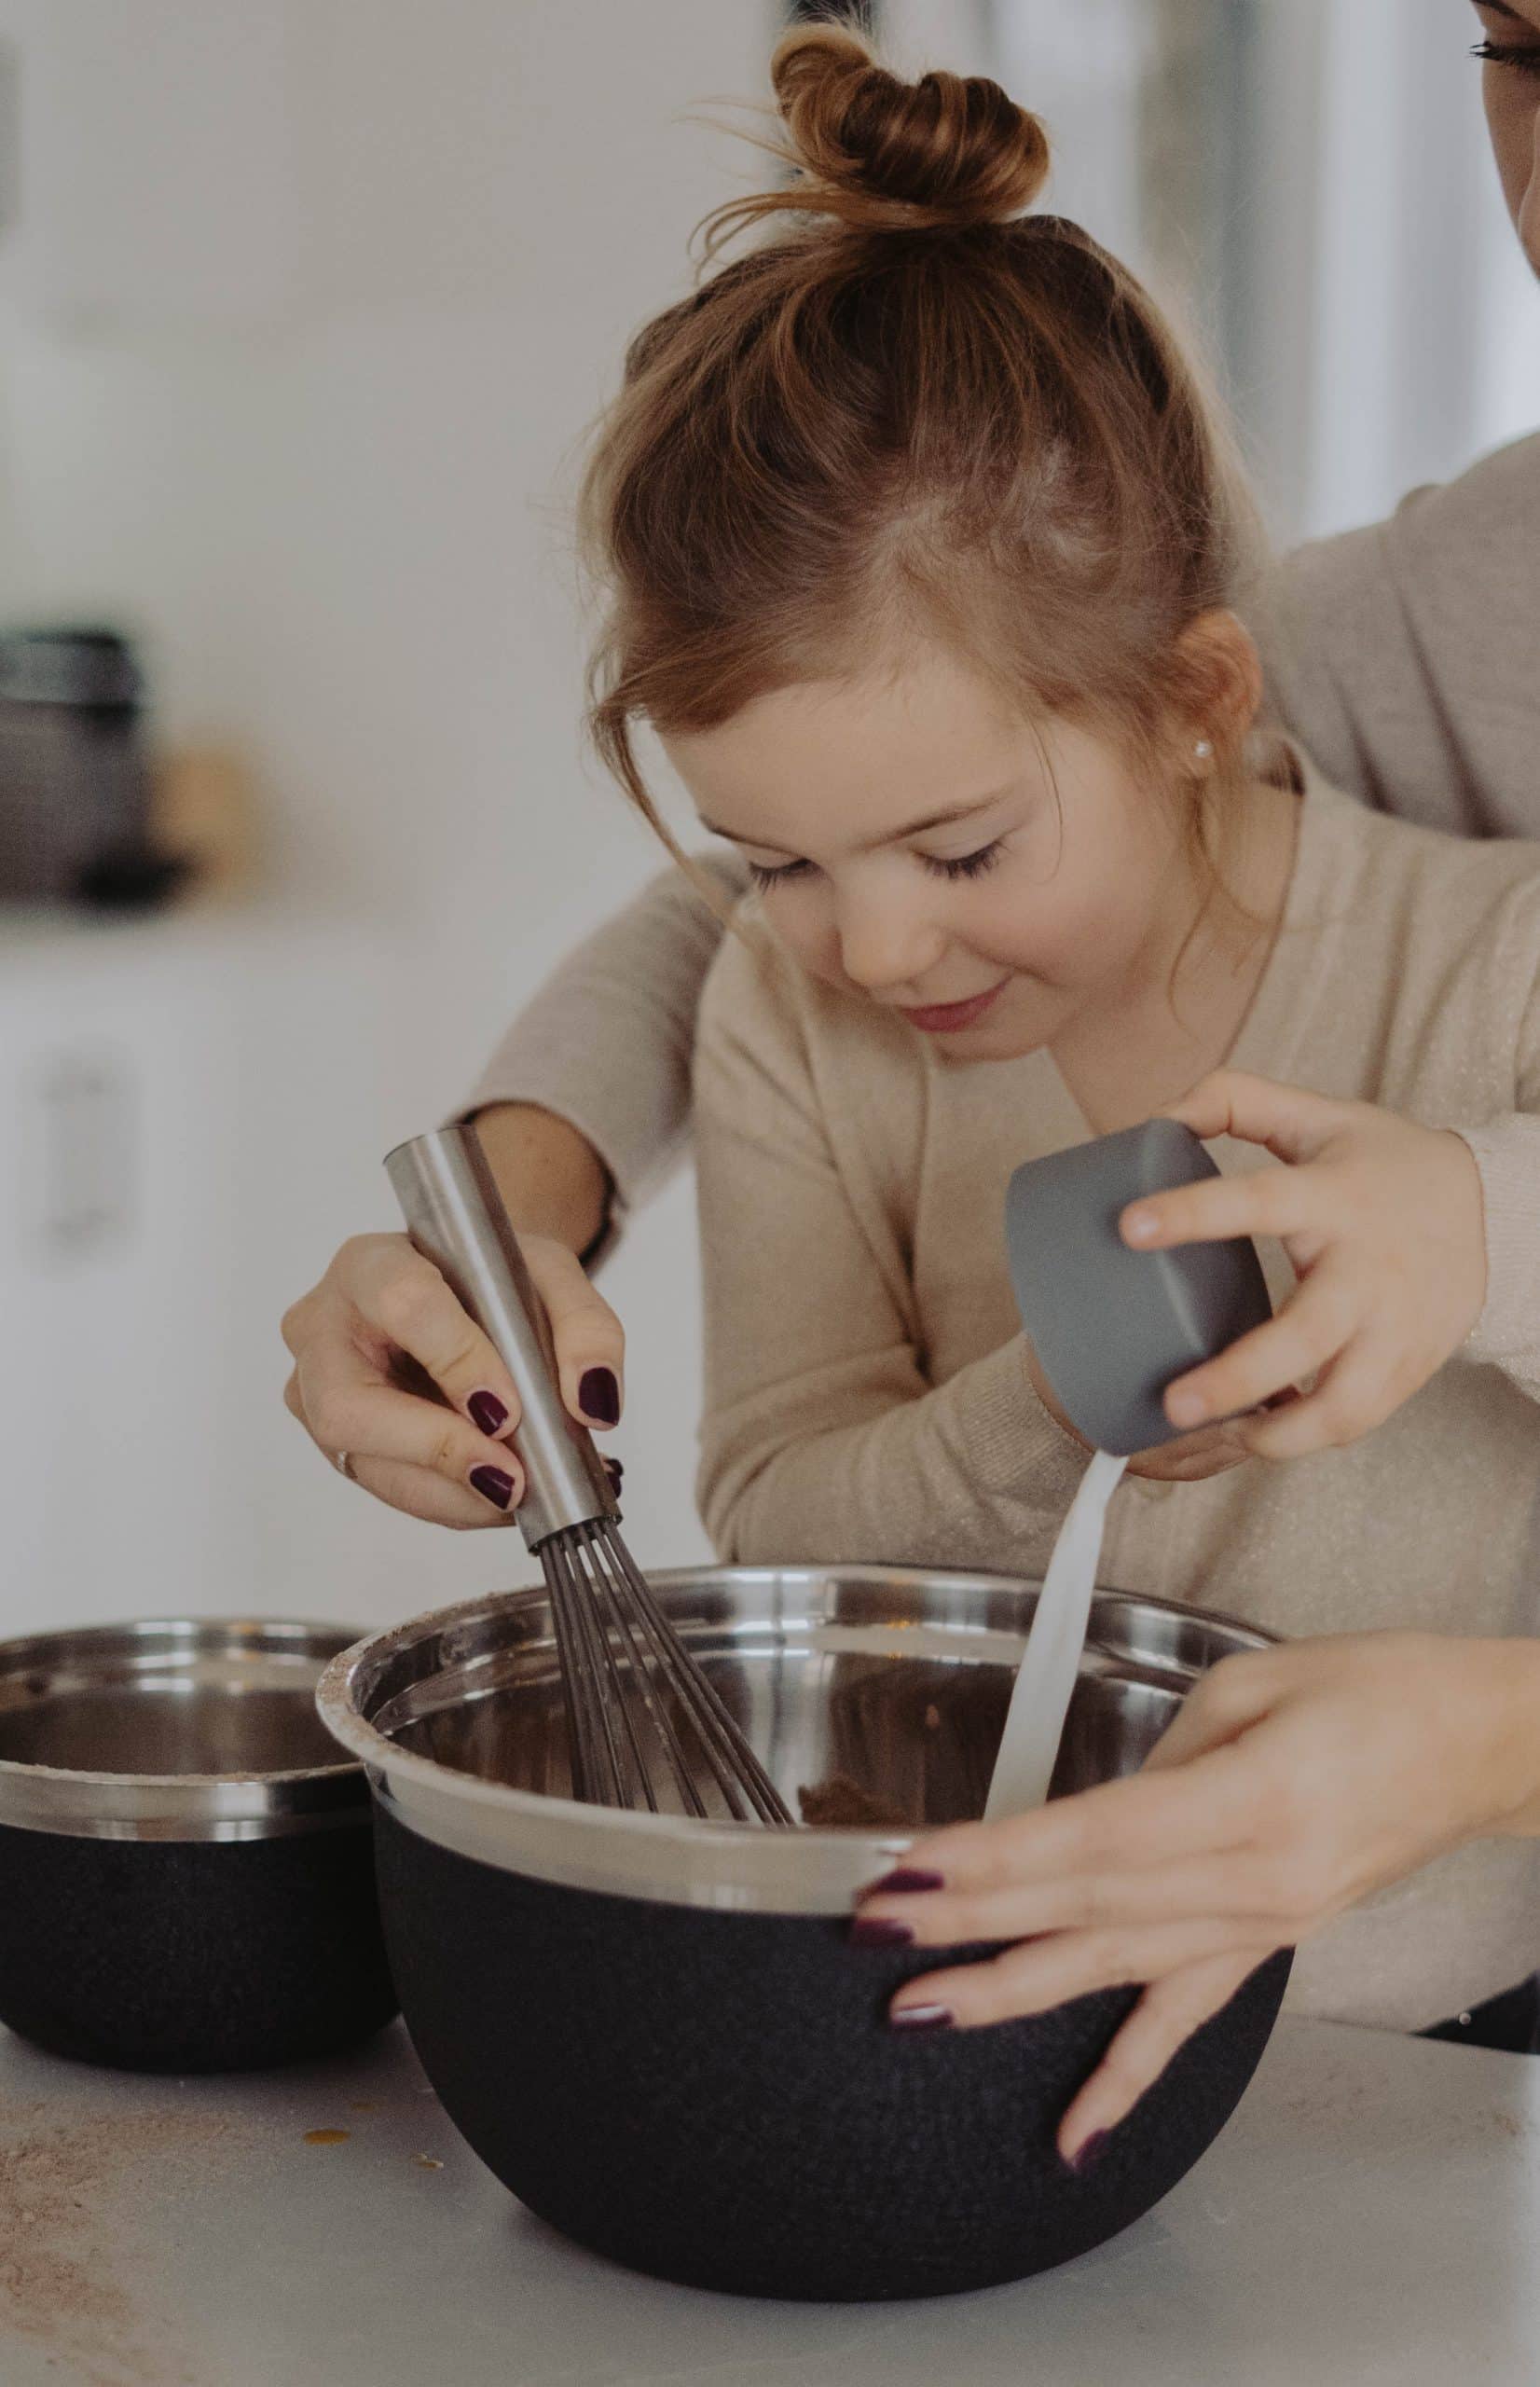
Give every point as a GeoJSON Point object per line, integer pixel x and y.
{"type": "Point", "coordinates": [965, 865]}
{"type": "Point", "coordinates": [765, 879]}
{"type": "Point", "coordinates": [1508, 54]}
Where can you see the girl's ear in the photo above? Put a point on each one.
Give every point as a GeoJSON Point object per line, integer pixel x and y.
{"type": "Point", "coordinates": [1217, 686]}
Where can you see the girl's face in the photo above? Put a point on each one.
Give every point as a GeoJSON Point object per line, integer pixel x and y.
{"type": "Point", "coordinates": [921, 845]}
{"type": "Point", "coordinates": [1511, 89]}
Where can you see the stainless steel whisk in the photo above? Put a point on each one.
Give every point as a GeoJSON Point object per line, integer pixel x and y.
{"type": "Point", "coordinates": [635, 1698]}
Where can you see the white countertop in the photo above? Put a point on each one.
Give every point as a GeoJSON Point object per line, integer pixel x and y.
{"type": "Point", "coordinates": [1369, 2218]}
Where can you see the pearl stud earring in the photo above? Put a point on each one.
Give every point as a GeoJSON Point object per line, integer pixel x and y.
{"type": "Point", "coordinates": [1204, 751]}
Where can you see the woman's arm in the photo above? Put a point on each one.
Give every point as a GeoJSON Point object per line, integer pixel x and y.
{"type": "Point", "coordinates": [550, 1180]}
{"type": "Point", "coordinates": [607, 1044]}
{"type": "Point", "coordinates": [1506, 1152]}
{"type": "Point", "coordinates": [1402, 656]}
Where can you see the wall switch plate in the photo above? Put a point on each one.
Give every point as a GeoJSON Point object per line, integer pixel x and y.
{"type": "Point", "coordinates": [79, 1153]}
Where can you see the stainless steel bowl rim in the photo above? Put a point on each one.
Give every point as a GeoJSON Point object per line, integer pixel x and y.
{"type": "Point", "coordinates": [83, 1804]}
{"type": "Point", "coordinates": [672, 1859]}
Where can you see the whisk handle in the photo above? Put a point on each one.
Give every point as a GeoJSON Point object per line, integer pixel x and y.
{"type": "Point", "coordinates": [455, 1216]}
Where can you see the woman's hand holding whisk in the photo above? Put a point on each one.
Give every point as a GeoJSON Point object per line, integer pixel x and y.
{"type": "Point", "coordinates": [397, 1385]}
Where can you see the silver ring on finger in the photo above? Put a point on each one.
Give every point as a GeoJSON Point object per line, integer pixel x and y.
{"type": "Point", "coordinates": [343, 1462]}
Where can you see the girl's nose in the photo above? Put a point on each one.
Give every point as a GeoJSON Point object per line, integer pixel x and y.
{"type": "Point", "coordinates": [885, 945]}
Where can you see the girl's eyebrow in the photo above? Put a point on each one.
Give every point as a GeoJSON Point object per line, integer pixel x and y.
{"type": "Point", "coordinates": [1501, 8]}
{"type": "Point", "coordinates": [953, 814]}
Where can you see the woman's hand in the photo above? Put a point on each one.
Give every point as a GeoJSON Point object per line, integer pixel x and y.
{"type": "Point", "coordinates": [1384, 1224]}
{"type": "Point", "coordinates": [390, 1372]}
{"type": "Point", "coordinates": [1293, 1783]}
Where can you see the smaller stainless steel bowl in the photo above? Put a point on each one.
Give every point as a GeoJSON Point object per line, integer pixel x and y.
{"type": "Point", "coordinates": [186, 1879]}
{"type": "Point", "coordinates": [655, 2030]}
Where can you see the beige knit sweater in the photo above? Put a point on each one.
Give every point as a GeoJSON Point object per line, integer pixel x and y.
{"type": "Point", "coordinates": [867, 1393]}
{"type": "Point", "coordinates": [867, 1396]}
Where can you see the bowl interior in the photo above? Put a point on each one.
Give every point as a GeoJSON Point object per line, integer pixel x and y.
{"type": "Point", "coordinates": [187, 1697]}
{"type": "Point", "coordinates": [875, 1698]}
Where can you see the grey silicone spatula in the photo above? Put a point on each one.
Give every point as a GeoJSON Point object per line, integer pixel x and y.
{"type": "Point", "coordinates": [1113, 1327]}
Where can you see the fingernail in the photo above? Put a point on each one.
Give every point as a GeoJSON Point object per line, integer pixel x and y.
{"type": "Point", "coordinates": [906, 1881]}
{"type": "Point", "coordinates": [615, 1472]}
{"type": "Point", "coordinates": [1139, 1225]}
{"type": "Point", "coordinates": [881, 1931]}
{"type": "Point", "coordinates": [1185, 1408]}
{"type": "Point", "coordinates": [1082, 2161]}
{"type": "Point", "coordinates": [487, 1411]}
{"type": "Point", "coordinates": [921, 2018]}
{"type": "Point", "coordinates": [493, 1485]}
{"type": "Point", "coordinates": [598, 1396]}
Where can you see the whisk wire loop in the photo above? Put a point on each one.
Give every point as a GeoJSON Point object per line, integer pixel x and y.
{"type": "Point", "coordinates": [635, 1694]}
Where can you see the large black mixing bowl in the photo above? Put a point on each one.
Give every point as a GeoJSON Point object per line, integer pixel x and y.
{"type": "Point", "coordinates": [186, 1869]}
{"type": "Point", "coordinates": [654, 2030]}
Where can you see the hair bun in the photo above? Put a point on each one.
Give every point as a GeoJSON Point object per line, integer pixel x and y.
{"type": "Point", "coordinates": [949, 149]}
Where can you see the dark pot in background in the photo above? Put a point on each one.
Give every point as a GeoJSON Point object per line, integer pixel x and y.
{"type": "Point", "coordinates": [187, 1876]}
{"type": "Point", "coordinates": [654, 2030]}
{"type": "Point", "coordinates": [74, 776]}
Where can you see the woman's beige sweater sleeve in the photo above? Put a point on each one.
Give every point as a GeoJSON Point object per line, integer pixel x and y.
{"type": "Point", "coordinates": [1507, 1153]}
{"type": "Point", "coordinates": [606, 1042]}
{"type": "Point", "coordinates": [822, 1438]}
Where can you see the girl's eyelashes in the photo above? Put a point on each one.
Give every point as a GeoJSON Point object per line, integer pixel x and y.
{"type": "Point", "coordinates": [962, 867]}
{"type": "Point", "coordinates": [1526, 58]}
{"type": "Point", "coordinates": [765, 878]}
{"type": "Point", "coordinates": [965, 865]}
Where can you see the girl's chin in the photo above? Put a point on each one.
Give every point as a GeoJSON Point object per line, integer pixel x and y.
{"type": "Point", "coordinates": [1022, 1021]}
{"type": "Point", "coordinates": [993, 1039]}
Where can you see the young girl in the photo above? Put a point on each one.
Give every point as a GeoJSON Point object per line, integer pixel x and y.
{"type": "Point", "coordinates": [922, 550]}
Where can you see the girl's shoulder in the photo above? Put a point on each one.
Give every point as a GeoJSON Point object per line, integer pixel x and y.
{"type": "Point", "coordinates": [1378, 864]}
{"type": "Point", "coordinates": [1428, 952]}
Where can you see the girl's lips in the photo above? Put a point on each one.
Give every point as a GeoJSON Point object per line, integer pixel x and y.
{"type": "Point", "coordinates": [945, 1019]}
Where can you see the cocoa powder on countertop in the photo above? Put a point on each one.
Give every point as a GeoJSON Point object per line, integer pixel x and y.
{"type": "Point", "coordinates": [66, 2261]}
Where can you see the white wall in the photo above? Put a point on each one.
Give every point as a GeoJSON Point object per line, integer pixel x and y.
{"type": "Point", "coordinates": [308, 303]}
{"type": "Point", "coordinates": [1311, 181]}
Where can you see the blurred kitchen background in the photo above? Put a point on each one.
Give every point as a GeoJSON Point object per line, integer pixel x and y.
{"type": "Point", "coordinates": [303, 307]}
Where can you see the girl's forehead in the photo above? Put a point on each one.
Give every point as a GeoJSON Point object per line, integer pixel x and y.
{"type": "Point", "coordinates": [861, 756]}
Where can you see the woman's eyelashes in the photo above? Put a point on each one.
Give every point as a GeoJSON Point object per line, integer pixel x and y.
{"type": "Point", "coordinates": [1525, 57]}
{"type": "Point", "coordinates": [971, 865]}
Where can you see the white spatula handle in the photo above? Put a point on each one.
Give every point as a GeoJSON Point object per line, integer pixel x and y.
{"type": "Point", "coordinates": [1050, 1663]}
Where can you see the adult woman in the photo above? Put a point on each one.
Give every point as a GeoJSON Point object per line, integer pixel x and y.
{"type": "Point", "coordinates": [1383, 668]}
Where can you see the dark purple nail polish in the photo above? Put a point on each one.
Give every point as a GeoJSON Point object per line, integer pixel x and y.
{"type": "Point", "coordinates": [906, 1881]}
{"type": "Point", "coordinates": [881, 1931]}
{"type": "Point", "coordinates": [598, 1396]}
{"type": "Point", "coordinates": [921, 2018]}
{"type": "Point", "coordinates": [487, 1411]}
{"type": "Point", "coordinates": [616, 1469]}
{"type": "Point", "coordinates": [1089, 2152]}
{"type": "Point", "coordinates": [493, 1485]}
